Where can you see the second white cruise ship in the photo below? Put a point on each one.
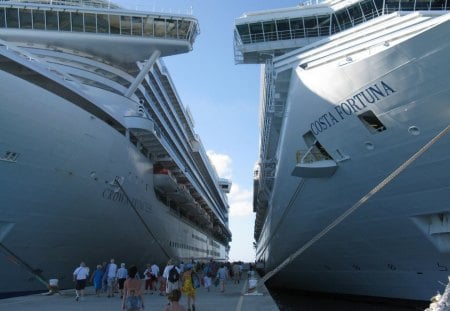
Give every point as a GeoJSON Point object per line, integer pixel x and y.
{"type": "Point", "coordinates": [352, 186]}
{"type": "Point", "coordinates": [98, 155]}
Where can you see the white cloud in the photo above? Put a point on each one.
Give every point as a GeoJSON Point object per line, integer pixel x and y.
{"type": "Point", "coordinates": [240, 201]}
{"type": "Point", "coordinates": [222, 164]}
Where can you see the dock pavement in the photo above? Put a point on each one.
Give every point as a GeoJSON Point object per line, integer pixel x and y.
{"type": "Point", "coordinates": [236, 297]}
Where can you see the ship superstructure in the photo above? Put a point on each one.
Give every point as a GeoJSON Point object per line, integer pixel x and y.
{"type": "Point", "coordinates": [351, 92]}
{"type": "Point", "coordinates": [98, 155]}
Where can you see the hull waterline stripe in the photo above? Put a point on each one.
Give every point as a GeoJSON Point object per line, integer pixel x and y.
{"type": "Point", "coordinates": [357, 205]}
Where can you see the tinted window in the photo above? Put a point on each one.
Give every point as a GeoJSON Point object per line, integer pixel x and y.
{"type": "Point", "coordinates": [64, 21]}
{"type": "Point", "coordinates": [38, 19]}
{"type": "Point", "coordinates": [90, 23]}
{"type": "Point", "coordinates": [77, 22]}
{"type": "Point", "coordinates": [12, 18]}
{"type": "Point", "coordinates": [25, 19]}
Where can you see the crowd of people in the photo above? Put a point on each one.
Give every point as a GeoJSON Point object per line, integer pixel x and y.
{"type": "Point", "coordinates": [176, 279]}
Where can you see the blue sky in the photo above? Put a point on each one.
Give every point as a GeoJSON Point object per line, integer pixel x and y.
{"type": "Point", "coordinates": [223, 99]}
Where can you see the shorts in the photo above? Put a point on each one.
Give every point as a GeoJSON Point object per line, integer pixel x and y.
{"type": "Point", "coordinates": [133, 303]}
{"type": "Point", "coordinates": [81, 284]}
{"type": "Point", "coordinates": [121, 282]}
{"type": "Point", "coordinates": [148, 283]}
{"type": "Point", "coordinates": [111, 281]}
{"type": "Point", "coordinates": [171, 286]}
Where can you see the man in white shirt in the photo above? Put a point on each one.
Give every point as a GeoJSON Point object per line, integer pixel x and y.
{"type": "Point", "coordinates": [80, 277]}
{"type": "Point", "coordinates": [171, 285]}
{"type": "Point", "coordinates": [111, 272]}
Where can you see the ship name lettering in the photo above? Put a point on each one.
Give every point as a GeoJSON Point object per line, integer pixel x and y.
{"type": "Point", "coordinates": [116, 196]}
{"type": "Point", "coordinates": [351, 106]}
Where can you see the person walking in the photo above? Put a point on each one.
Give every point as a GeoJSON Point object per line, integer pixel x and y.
{"type": "Point", "coordinates": [207, 276]}
{"type": "Point", "coordinates": [171, 275]}
{"type": "Point", "coordinates": [236, 272]}
{"type": "Point", "coordinates": [122, 274]}
{"type": "Point", "coordinates": [132, 295]}
{"type": "Point", "coordinates": [80, 277]}
{"type": "Point", "coordinates": [174, 301]}
{"type": "Point", "coordinates": [96, 279]}
{"type": "Point", "coordinates": [111, 272]}
{"type": "Point", "coordinates": [155, 274]}
{"type": "Point", "coordinates": [148, 280]}
{"type": "Point", "coordinates": [188, 288]}
{"type": "Point", "coordinates": [222, 275]}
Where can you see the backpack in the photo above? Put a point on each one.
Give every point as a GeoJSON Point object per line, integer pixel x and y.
{"type": "Point", "coordinates": [174, 276]}
{"type": "Point", "coordinates": [195, 280]}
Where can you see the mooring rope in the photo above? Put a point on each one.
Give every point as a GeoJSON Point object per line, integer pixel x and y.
{"type": "Point", "coordinates": [357, 205]}
{"type": "Point", "coordinates": [141, 218]}
{"type": "Point", "coordinates": [22, 263]}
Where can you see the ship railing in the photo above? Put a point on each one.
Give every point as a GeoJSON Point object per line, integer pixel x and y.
{"type": "Point", "coordinates": [79, 3]}
{"type": "Point", "coordinates": [96, 21]}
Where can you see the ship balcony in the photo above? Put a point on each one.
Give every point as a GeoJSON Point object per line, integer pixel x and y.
{"type": "Point", "coordinates": [313, 164]}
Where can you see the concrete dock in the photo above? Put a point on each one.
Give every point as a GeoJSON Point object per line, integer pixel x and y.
{"type": "Point", "coordinates": [235, 298]}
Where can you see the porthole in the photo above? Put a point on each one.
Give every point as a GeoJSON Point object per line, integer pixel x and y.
{"type": "Point", "coordinates": [369, 145]}
{"type": "Point", "coordinates": [414, 130]}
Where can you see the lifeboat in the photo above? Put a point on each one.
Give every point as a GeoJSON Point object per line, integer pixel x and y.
{"type": "Point", "coordinates": [163, 180]}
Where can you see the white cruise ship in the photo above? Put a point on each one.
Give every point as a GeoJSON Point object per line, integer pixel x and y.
{"type": "Point", "coordinates": [352, 186]}
{"type": "Point", "coordinates": [98, 156]}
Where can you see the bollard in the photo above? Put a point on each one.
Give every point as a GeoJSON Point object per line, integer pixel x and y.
{"type": "Point", "coordinates": [53, 286]}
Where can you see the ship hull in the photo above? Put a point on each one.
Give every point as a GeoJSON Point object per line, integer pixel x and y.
{"type": "Point", "coordinates": [60, 202]}
{"type": "Point", "coordinates": [391, 245]}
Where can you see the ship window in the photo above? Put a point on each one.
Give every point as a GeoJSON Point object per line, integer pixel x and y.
{"type": "Point", "coordinates": [343, 19]}
{"type": "Point", "coordinates": [160, 27]}
{"type": "Point", "coordinates": [102, 23]}
{"type": "Point", "coordinates": [90, 24]}
{"type": "Point", "coordinates": [438, 5]}
{"type": "Point", "coordinates": [125, 25]}
{"type": "Point", "coordinates": [114, 24]}
{"type": "Point", "coordinates": [256, 32]}
{"type": "Point", "coordinates": [356, 14]}
{"type": "Point", "coordinates": [133, 139]}
{"type": "Point", "coordinates": [311, 26]}
{"type": "Point", "coordinates": [270, 33]}
{"type": "Point", "coordinates": [371, 9]}
{"type": "Point", "coordinates": [12, 18]}
{"type": "Point", "coordinates": [244, 33]}
{"type": "Point", "coordinates": [77, 22]}
{"type": "Point", "coordinates": [183, 29]}
{"type": "Point", "coordinates": [137, 26]}
{"type": "Point", "coordinates": [38, 19]}
{"type": "Point", "coordinates": [52, 20]}
{"type": "Point", "coordinates": [324, 25]}
{"type": "Point", "coordinates": [297, 28]}
{"type": "Point", "coordinates": [148, 27]}
{"type": "Point", "coordinates": [2, 17]}
{"type": "Point", "coordinates": [64, 21]}
{"type": "Point", "coordinates": [284, 32]}
{"type": "Point", "coordinates": [422, 5]}
{"type": "Point", "coordinates": [407, 5]}
{"type": "Point", "coordinates": [25, 19]}
{"type": "Point", "coordinates": [171, 28]}
{"type": "Point", "coordinates": [371, 122]}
